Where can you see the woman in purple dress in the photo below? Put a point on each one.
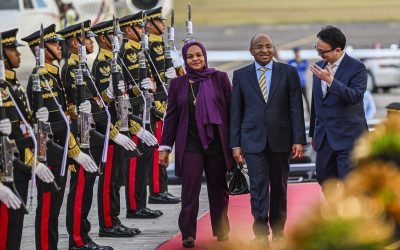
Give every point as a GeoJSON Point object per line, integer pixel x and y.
{"type": "Point", "coordinates": [197, 121]}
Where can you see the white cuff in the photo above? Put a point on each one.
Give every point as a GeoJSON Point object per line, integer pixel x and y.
{"type": "Point", "coordinates": [164, 148]}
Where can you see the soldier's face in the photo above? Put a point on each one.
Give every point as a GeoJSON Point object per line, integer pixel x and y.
{"type": "Point", "coordinates": [55, 48]}
{"type": "Point", "coordinates": [89, 45]}
{"type": "Point", "coordinates": [195, 58]}
{"type": "Point", "coordinates": [262, 49]}
{"type": "Point", "coordinates": [160, 25]}
{"type": "Point", "coordinates": [14, 56]}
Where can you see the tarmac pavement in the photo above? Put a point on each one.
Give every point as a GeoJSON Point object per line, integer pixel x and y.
{"type": "Point", "coordinates": [154, 231]}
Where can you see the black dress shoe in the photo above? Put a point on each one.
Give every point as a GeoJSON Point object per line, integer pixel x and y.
{"type": "Point", "coordinates": [135, 230]}
{"type": "Point", "coordinates": [188, 242]}
{"type": "Point", "coordinates": [91, 245]}
{"type": "Point", "coordinates": [163, 198]}
{"type": "Point", "coordinates": [173, 196]}
{"type": "Point", "coordinates": [143, 213]}
{"type": "Point", "coordinates": [153, 211]}
{"type": "Point", "coordinates": [115, 231]}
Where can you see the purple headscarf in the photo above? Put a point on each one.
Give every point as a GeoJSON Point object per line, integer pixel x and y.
{"type": "Point", "coordinates": [206, 109]}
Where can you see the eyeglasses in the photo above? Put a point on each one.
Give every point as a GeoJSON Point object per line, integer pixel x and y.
{"type": "Point", "coordinates": [260, 47]}
{"type": "Point", "coordinates": [322, 52]}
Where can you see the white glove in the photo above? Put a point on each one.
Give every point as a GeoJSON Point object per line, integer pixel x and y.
{"type": "Point", "coordinates": [147, 84]}
{"type": "Point", "coordinates": [44, 173]}
{"type": "Point", "coordinates": [42, 114]}
{"type": "Point", "coordinates": [86, 161]}
{"type": "Point", "coordinates": [125, 142]}
{"type": "Point", "coordinates": [170, 73]}
{"type": "Point", "coordinates": [85, 107]}
{"type": "Point", "coordinates": [5, 126]}
{"type": "Point", "coordinates": [9, 198]}
{"type": "Point", "coordinates": [149, 138]}
{"type": "Point", "coordinates": [110, 89]}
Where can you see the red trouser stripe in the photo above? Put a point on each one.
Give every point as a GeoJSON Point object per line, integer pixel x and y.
{"type": "Point", "coordinates": [78, 208]}
{"type": "Point", "coordinates": [156, 166]}
{"type": "Point", "coordinates": [44, 228]}
{"type": "Point", "coordinates": [106, 187]}
{"type": "Point", "coordinates": [132, 178]}
{"type": "Point", "coordinates": [3, 225]}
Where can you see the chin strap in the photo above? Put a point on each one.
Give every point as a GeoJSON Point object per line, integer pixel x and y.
{"type": "Point", "coordinates": [7, 59]}
{"type": "Point", "coordinates": [108, 39]}
{"type": "Point", "coordinates": [155, 26]}
{"type": "Point", "coordinates": [136, 33]}
{"type": "Point", "coordinates": [51, 53]}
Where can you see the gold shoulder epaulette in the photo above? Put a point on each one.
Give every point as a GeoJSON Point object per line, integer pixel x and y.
{"type": "Point", "coordinates": [154, 38]}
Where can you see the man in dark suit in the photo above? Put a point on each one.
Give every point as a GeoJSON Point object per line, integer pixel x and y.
{"type": "Point", "coordinates": [267, 122]}
{"type": "Point", "coordinates": [337, 113]}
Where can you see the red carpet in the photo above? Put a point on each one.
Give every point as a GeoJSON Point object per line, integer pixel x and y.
{"type": "Point", "coordinates": [300, 197]}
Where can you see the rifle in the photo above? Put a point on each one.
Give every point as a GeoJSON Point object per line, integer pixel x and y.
{"type": "Point", "coordinates": [189, 26]}
{"type": "Point", "coordinates": [86, 125]}
{"type": "Point", "coordinates": [123, 105]}
{"type": "Point", "coordinates": [43, 131]}
{"type": "Point", "coordinates": [8, 149]}
{"type": "Point", "coordinates": [158, 96]}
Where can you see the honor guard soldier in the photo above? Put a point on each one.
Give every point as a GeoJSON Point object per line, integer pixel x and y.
{"type": "Point", "coordinates": [110, 182]}
{"type": "Point", "coordinates": [80, 196]}
{"type": "Point", "coordinates": [158, 181]}
{"type": "Point", "coordinates": [52, 95]}
{"type": "Point", "coordinates": [136, 177]}
{"type": "Point", "coordinates": [393, 109]}
{"type": "Point", "coordinates": [11, 222]}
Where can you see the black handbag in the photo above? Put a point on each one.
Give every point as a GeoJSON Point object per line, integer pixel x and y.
{"type": "Point", "coordinates": [240, 182]}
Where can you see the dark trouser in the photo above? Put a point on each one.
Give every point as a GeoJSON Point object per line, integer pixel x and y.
{"type": "Point", "coordinates": [217, 188]}
{"type": "Point", "coordinates": [131, 180]}
{"type": "Point", "coordinates": [11, 221]}
{"type": "Point", "coordinates": [331, 163]}
{"type": "Point", "coordinates": [158, 181]}
{"type": "Point", "coordinates": [49, 202]}
{"type": "Point", "coordinates": [268, 169]}
{"type": "Point", "coordinates": [304, 92]}
{"type": "Point", "coordinates": [48, 210]}
{"type": "Point", "coordinates": [79, 202]}
{"type": "Point", "coordinates": [109, 186]}
{"type": "Point", "coordinates": [143, 166]}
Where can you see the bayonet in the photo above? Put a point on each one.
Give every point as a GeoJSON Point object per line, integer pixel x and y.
{"type": "Point", "coordinates": [41, 47]}
{"type": "Point", "coordinates": [2, 65]}
{"type": "Point", "coordinates": [189, 26]}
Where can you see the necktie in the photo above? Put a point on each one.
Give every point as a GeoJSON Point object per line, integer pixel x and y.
{"type": "Point", "coordinates": [331, 67]}
{"type": "Point", "coordinates": [263, 83]}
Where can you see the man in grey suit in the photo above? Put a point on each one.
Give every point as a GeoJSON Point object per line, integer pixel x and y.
{"type": "Point", "coordinates": [267, 123]}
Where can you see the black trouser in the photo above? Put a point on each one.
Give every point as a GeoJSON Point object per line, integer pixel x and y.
{"type": "Point", "coordinates": [142, 167]}
{"type": "Point", "coordinates": [48, 209]}
{"type": "Point", "coordinates": [11, 221]}
{"type": "Point", "coordinates": [79, 202]}
{"type": "Point", "coordinates": [109, 186]}
{"type": "Point", "coordinates": [158, 179]}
